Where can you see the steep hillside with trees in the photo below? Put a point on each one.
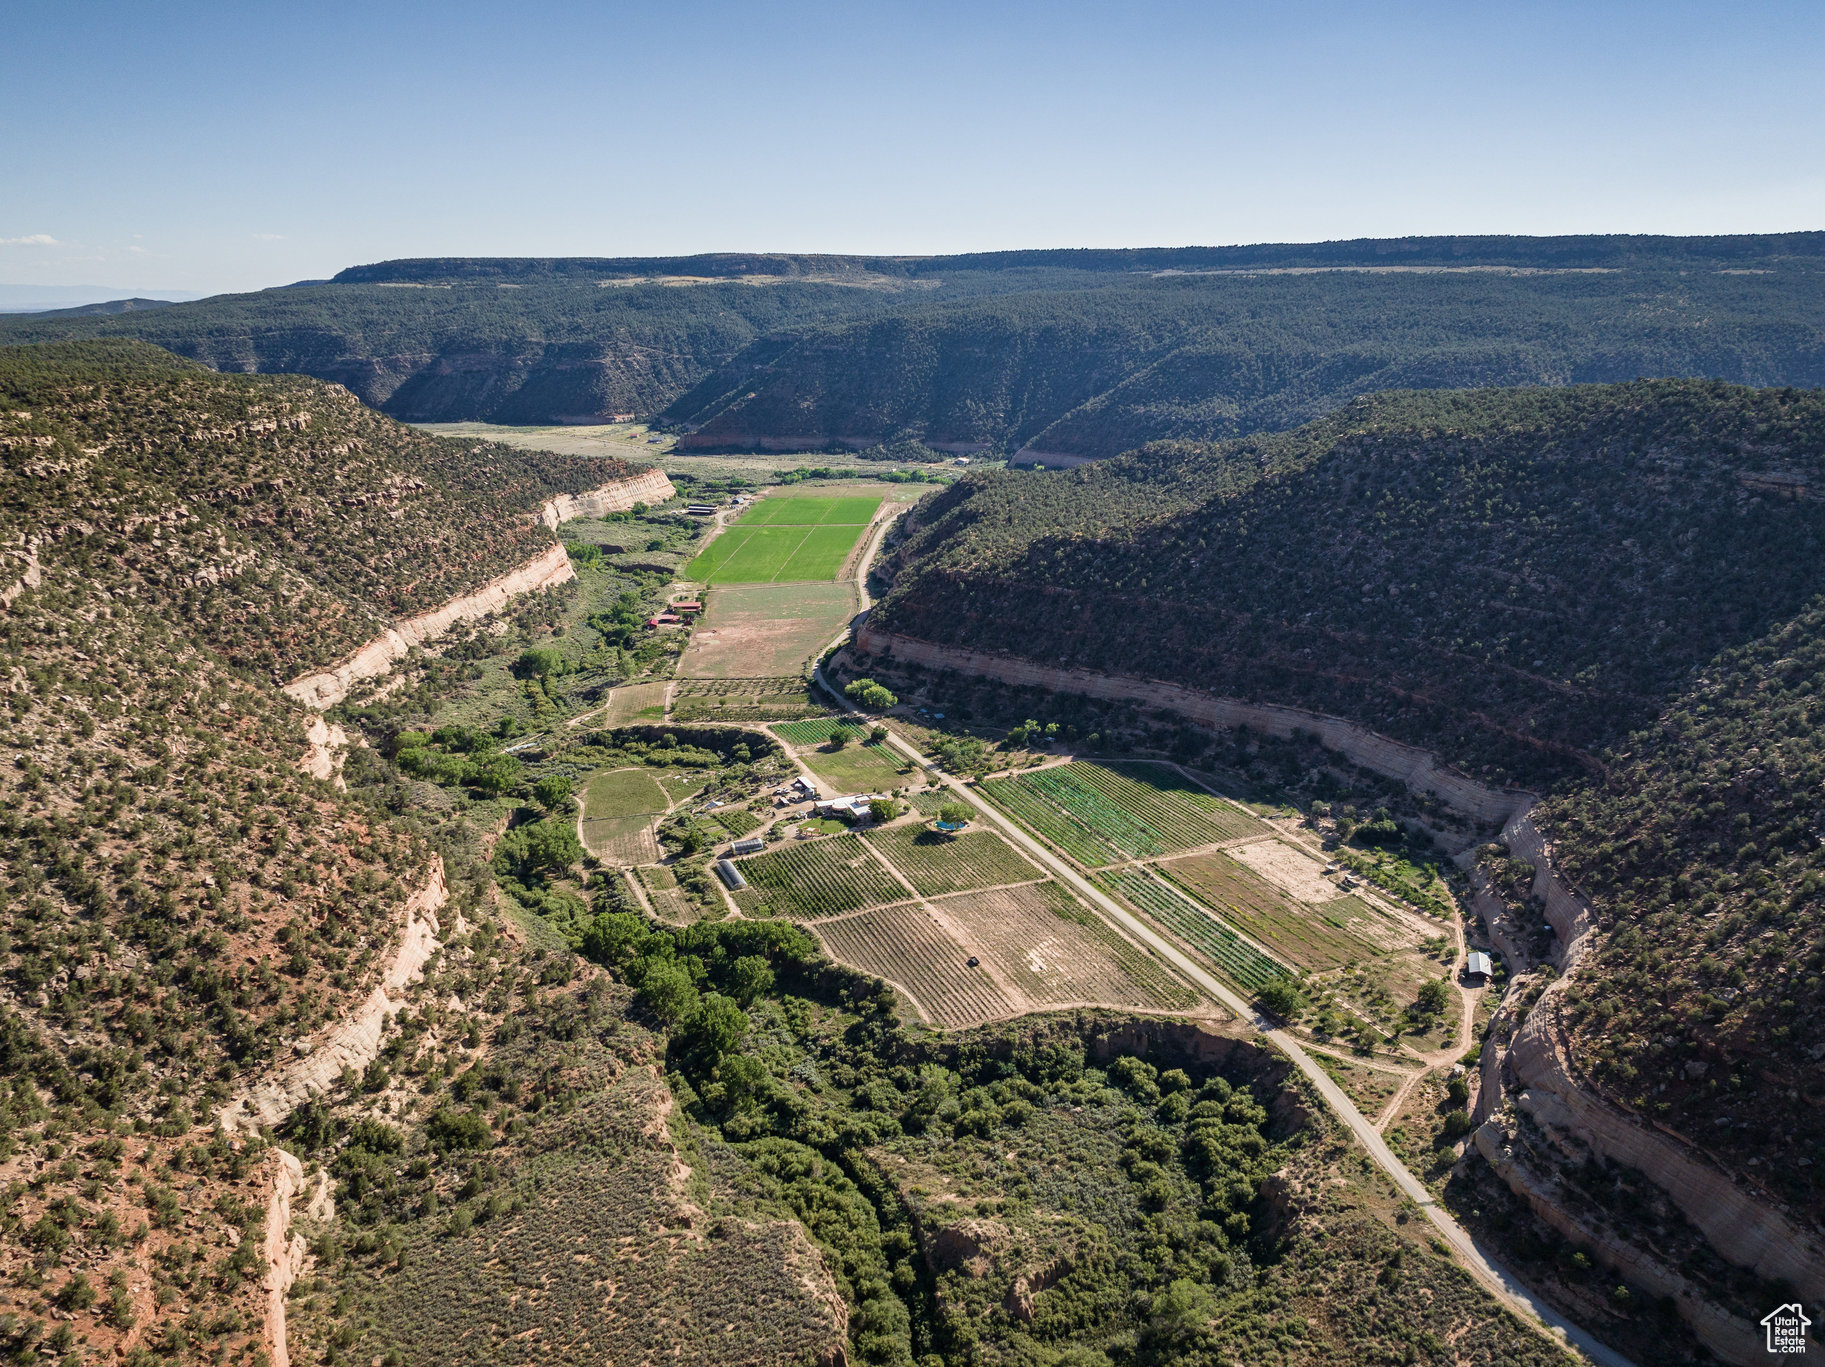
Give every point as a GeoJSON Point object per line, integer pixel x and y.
{"type": "Point", "coordinates": [179, 905]}
{"type": "Point", "coordinates": [1513, 578]}
{"type": "Point", "coordinates": [1100, 370]}
{"type": "Point", "coordinates": [1606, 593]}
{"type": "Point", "coordinates": [289, 522]}
{"type": "Point", "coordinates": [542, 351]}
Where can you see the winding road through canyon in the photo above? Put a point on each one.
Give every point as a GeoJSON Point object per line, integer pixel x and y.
{"type": "Point", "coordinates": [1486, 1271]}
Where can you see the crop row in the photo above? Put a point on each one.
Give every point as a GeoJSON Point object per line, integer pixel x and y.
{"type": "Point", "coordinates": [935, 863]}
{"type": "Point", "coordinates": [737, 821]}
{"type": "Point", "coordinates": [816, 732]}
{"type": "Point", "coordinates": [816, 878]}
{"type": "Point", "coordinates": [1050, 821]}
{"type": "Point", "coordinates": [1098, 814]}
{"type": "Point", "coordinates": [1200, 929]}
{"type": "Point", "coordinates": [903, 945]}
{"type": "Point", "coordinates": [1176, 809]}
{"type": "Point", "coordinates": [753, 688]}
{"type": "Point", "coordinates": [1317, 938]}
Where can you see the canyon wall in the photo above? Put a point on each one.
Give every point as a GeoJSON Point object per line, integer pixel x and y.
{"type": "Point", "coordinates": [326, 687]}
{"type": "Point", "coordinates": [354, 1042]}
{"type": "Point", "coordinates": [650, 486]}
{"type": "Point", "coordinates": [1407, 764]}
{"type": "Point", "coordinates": [1746, 1227]}
{"type": "Point", "coordinates": [282, 1251]}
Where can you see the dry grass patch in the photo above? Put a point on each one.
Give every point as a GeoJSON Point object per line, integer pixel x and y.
{"type": "Point", "coordinates": [755, 630]}
{"type": "Point", "coordinates": [1293, 871]}
{"type": "Point", "coordinates": [1057, 951]}
{"type": "Point", "coordinates": [635, 702]}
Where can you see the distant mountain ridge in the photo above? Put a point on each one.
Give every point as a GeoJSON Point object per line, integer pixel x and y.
{"type": "Point", "coordinates": [1587, 251]}
{"type": "Point", "coordinates": [1079, 353]}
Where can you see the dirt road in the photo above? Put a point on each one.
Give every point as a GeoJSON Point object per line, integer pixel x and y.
{"type": "Point", "coordinates": [1492, 1277]}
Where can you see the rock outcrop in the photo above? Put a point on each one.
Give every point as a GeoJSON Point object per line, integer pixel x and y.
{"type": "Point", "coordinates": [326, 687]}
{"type": "Point", "coordinates": [31, 578]}
{"type": "Point", "coordinates": [1416, 768]}
{"type": "Point", "coordinates": [1745, 1227]}
{"type": "Point", "coordinates": [323, 751]}
{"type": "Point", "coordinates": [1731, 1337]}
{"type": "Point", "coordinates": [354, 1042]}
{"type": "Point", "coordinates": [283, 1251]}
{"type": "Point", "coordinates": [650, 486]}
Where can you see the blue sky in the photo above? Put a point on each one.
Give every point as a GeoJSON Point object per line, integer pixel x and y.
{"type": "Point", "coordinates": [211, 147]}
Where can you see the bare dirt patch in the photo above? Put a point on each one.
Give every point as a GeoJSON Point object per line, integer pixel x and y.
{"type": "Point", "coordinates": [762, 630]}
{"type": "Point", "coordinates": [1054, 952]}
{"type": "Point", "coordinates": [1292, 871]}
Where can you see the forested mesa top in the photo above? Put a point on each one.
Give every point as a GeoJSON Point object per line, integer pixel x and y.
{"type": "Point", "coordinates": [1586, 251]}
{"type": "Point", "coordinates": [1086, 353]}
{"type": "Point", "coordinates": [296, 522]}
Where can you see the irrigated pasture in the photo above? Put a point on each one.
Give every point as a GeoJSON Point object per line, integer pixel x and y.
{"type": "Point", "coordinates": [784, 539]}
{"type": "Point", "coordinates": [856, 768]}
{"type": "Point", "coordinates": [935, 863]}
{"type": "Point", "coordinates": [1317, 938]}
{"type": "Point", "coordinates": [904, 945]}
{"type": "Point", "coordinates": [1056, 950]}
{"type": "Point", "coordinates": [765, 629]}
{"type": "Point", "coordinates": [1203, 931]}
{"type": "Point", "coordinates": [811, 510]}
{"type": "Point", "coordinates": [1101, 814]}
{"type": "Point", "coordinates": [815, 878]}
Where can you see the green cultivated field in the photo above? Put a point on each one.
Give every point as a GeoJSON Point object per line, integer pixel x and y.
{"type": "Point", "coordinates": [618, 811]}
{"type": "Point", "coordinates": [856, 768]}
{"type": "Point", "coordinates": [808, 510]}
{"type": "Point", "coordinates": [623, 792]}
{"type": "Point", "coordinates": [1317, 937]}
{"type": "Point", "coordinates": [817, 878]}
{"type": "Point", "coordinates": [936, 864]}
{"type": "Point", "coordinates": [784, 539]}
{"type": "Point", "coordinates": [1099, 814]}
{"type": "Point", "coordinates": [816, 732]}
{"type": "Point", "coordinates": [1239, 960]}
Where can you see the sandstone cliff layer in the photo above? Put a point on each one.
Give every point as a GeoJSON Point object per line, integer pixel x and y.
{"type": "Point", "coordinates": [1407, 764]}
{"type": "Point", "coordinates": [326, 687]}
{"type": "Point", "coordinates": [354, 1042]}
{"type": "Point", "coordinates": [650, 486]}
